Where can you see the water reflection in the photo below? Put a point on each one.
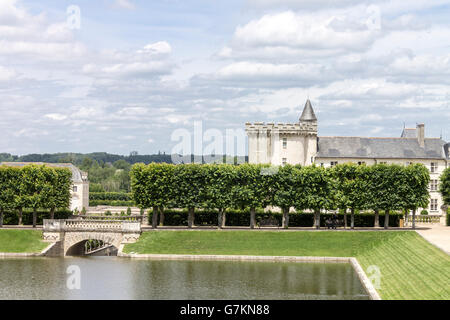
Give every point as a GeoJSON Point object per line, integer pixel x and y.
{"type": "Point", "coordinates": [116, 278]}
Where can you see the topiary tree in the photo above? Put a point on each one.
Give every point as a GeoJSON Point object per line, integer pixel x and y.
{"type": "Point", "coordinates": [152, 186]}
{"type": "Point", "coordinates": [444, 186]}
{"type": "Point", "coordinates": [252, 188]}
{"type": "Point", "coordinates": [351, 188]}
{"type": "Point", "coordinates": [8, 177]}
{"type": "Point", "coordinates": [33, 185]}
{"type": "Point", "coordinates": [56, 189]}
{"type": "Point", "coordinates": [219, 179]}
{"type": "Point", "coordinates": [189, 187]}
{"type": "Point", "coordinates": [317, 184]}
{"type": "Point", "coordinates": [414, 189]}
{"type": "Point", "coordinates": [286, 190]}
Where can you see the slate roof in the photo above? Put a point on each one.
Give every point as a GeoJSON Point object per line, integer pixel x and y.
{"type": "Point", "coordinates": [384, 148]}
{"type": "Point", "coordinates": [308, 112]}
{"type": "Point", "coordinates": [76, 173]}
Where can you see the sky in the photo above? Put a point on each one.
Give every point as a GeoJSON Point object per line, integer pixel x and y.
{"type": "Point", "coordinates": [124, 75]}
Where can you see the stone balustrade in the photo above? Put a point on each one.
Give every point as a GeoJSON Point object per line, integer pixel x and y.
{"type": "Point", "coordinates": [425, 218]}
{"type": "Point", "coordinates": [91, 225]}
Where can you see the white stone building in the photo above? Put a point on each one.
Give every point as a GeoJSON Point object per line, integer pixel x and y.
{"type": "Point", "coordinates": [80, 183]}
{"type": "Point", "coordinates": [298, 143]}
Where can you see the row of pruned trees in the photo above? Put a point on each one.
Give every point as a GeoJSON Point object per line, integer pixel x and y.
{"type": "Point", "coordinates": [34, 187]}
{"type": "Point", "coordinates": [347, 187]}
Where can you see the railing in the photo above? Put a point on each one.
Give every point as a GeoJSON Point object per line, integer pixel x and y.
{"type": "Point", "coordinates": [425, 218]}
{"type": "Point", "coordinates": [91, 225]}
{"type": "Point", "coordinates": [118, 218]}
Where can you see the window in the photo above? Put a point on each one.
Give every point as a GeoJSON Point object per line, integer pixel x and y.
{"type": "Point", "coordinates": [433, 205]}
{"type": "Point", "coordinates": [408, 163]}
{"type": "Point", "coordinates": [433, 185]}
{"type": "Point", "coordinates": [360, 163]}
{"type": "Point", "coordinates": [321, 164]}
{"type": "Point", "coordinates": [284, 143]}
{"type": "Point", "coordinates": [74, 189]}
{"type": "Point", "coordinates": [284, 161]}
{"type": "Point", "coordinates": [333, 163]}
{"type": "Point", "coordinates": [383, 162]}
{"type": "Point", "coordinates": [433, 167]}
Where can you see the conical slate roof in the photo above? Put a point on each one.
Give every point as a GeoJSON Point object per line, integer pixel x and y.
{"type": "Point", "coordinates": [308, 113]}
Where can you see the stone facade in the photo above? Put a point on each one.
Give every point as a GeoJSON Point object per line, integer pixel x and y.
{"type": "Point", "coordinates": [298, 143]}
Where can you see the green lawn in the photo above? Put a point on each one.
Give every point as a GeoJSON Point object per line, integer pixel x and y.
{"type": "Point", "coordinates": [411, 268]}
{"type": "Point", "coordinates": [21, 241]}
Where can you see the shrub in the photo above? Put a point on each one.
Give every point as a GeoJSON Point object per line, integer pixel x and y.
{"type": "Point", "coordinates": [12, 217]}
{"type": "Point", "coordinates": [122, 196]}
{"type": "Point", "coordinates": [448, 217]}
{"type": "Point", "coordinates": [108, 213]}
{"type": "Point", "coordinates": [112, 203]}
{"type": "Point", "coordinates": [242, 218]}
{"type": "Point", "coordinates": [424, 212]}
{"type": "Point", "coordinates": [129, 211]}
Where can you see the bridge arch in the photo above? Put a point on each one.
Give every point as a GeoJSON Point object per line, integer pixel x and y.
{"type": "Point", "coordinates": [66, 233]}
{"type": "Point", "coordinates": [73, 239]}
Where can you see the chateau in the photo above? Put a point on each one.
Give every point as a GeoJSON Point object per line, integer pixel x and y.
{"type": "Point", "coordinates": [298, 143]}
{"type": "Point", "coordinates": [80, 184]}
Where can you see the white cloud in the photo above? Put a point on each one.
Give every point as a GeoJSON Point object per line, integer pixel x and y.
{"type": "Point", "coordinates": [56, 116]}
{"type": "Point", "coordinates": [7, 74]}
{"type": "Point", "coordinates": [161, 47]}
{"type": "Point", "coordinates": [126, 4]}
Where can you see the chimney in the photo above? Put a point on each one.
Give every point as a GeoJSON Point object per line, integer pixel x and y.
{"type": "Point", "coordinates": [421, 134]}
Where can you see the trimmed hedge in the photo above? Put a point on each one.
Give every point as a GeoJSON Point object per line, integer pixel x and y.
{"type": "Point", "coordinates": [121, 196]}
{"type": "Point", "coordinates": [112, 203]}
{"type": "Point", "coordinates": [242, 218]}
{"type": "Point", "coordinates": [12, 217]}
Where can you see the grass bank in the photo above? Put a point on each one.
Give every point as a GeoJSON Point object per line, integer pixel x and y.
{"type": "Point", "coordinates": [16, 241]}
{"type": "Point", "coordinates": [411, 268]}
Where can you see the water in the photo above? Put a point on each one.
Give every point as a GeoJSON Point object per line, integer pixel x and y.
{"type": "Point", "coordinates": [118, 278]}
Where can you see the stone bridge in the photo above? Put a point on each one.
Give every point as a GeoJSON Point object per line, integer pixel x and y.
{"type": "Point", "coordinates": [70, 235]}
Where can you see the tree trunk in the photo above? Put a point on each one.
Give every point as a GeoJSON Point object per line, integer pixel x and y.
{"type": "Point", "coordinates": [52, 213]}
{"type": "Point", "coordinates": [285, 222]}
{"type": "Point", "coordinates": [1, 218]}
{"type": "Point", "coordinates": [161, 216]}
{"type": "Point", "coordinates": [414, 218]}
{"type": "Point", "coordinates": [345, 218]}
{"type": "Point", "coordinates": [155, 218]}
{"type": "Point", "coordinates": [221, 218]}
{"type": "Point", "coordinates": [317, 218]}
{"type": "Point", "coordinates": [406, 212]}
{"type": "Point", "coordinates": [191, 218]}
{"type": "Point", "coordinates": [377, 218]}
{"type": "Point", "coordinates": [352, 218]}
{"type": "Point", "coordinates": [386, 219]}
{"type": "Point", "coordinates": [20, 216]}
{"type": "Point", "coordinates": [34, 217]}
{"type": "Point", "coordinates": [252, 218]}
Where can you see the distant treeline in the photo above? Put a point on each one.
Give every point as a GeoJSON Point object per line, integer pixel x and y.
{"type": "Point", "coordinates": [102, 157]}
